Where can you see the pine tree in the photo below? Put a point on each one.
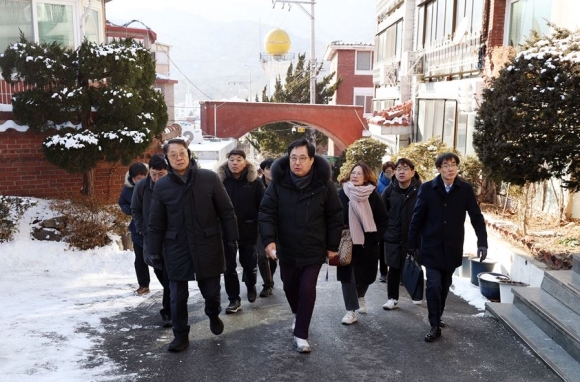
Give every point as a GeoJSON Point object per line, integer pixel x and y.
{"type": "Point", "coordinates": [274, 139]}
{"type": "Point", "coordinates": [527, 127]}
{"type": "Point", "coordinates": [97, 98]}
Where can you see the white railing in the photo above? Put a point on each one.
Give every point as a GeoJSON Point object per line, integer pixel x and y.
{"type": "Point", "coordinates": [451, 58]}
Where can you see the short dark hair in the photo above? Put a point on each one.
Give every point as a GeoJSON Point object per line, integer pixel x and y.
{"type": "Point", "coordinates": [266, 163]}
{"type": "Point", "coordinates": [446, 157]}
{"type": "Point", "coordinates": [388, 164]}
{"type": "Point", "coordinates": [157, 162]}
{"type": "Point", "coordinates": [136, 169]}
{"type": "Point", "coordinates": [178, 141]}
{"type": "Point", "coordinates": [405, 162]}
{"type": "Point", "coordinates": [302, 142]}
{"type": "Point", "coordinates": [236, 152]}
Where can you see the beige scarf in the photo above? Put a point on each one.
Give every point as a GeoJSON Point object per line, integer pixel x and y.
{"type": "Point", "coordinates": [360, 215]}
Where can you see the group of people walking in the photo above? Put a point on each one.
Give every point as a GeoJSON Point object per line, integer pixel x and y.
{"type": "Point", "coordinates": [194, 224]}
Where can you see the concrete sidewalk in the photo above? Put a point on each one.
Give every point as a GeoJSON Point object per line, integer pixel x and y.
{"type": "Point", "coordinates": [257, 344]}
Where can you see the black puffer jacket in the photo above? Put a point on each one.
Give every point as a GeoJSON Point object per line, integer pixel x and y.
{"type": "Point", "coordinates": [399, 203]}
{"type": "Point", "coordinates": [304, 223]}
{"type": "Point", "coordinates": [187, 220]}
{"type": "Point", "coordinates": [246, 194]}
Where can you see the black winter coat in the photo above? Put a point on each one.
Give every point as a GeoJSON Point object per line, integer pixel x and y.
{"type": "Point", "coordinates": [303, 223]}
{"type": "Point", "coordinates": [439, 221]}
{"type": "Point", "coordinates": [140, 209]}
{"type": "Point", "coordinates": [125, 204]}
{"type": "Point", "coordinates": [365, 257]}
{"type": "Point", "coordinates": [246, 195]}
{"type": "Point", "coordinates": [187, 220]}
{"type": "Point", "coordinates": [400, 204]}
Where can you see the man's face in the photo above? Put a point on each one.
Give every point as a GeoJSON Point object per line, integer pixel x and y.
{"type": "Point", "coordinates": [389, 172]}
{"type": "Point", "coordinates": [137, 178]}
{"type": "Point", "coordinates": [404, 174]}
{"type": "Point", "coordinates": [236, 164]}
{"type": "Point", "coordinates": [157, 174]}
{"type": "Point", "coordinates": [178, 158]}
{"type": "Point", "coordinates": [267, 174]}
{"type": "Point", "coordinates": [448, 171]}
{"type": "Point", "coordinates": [300, 162]}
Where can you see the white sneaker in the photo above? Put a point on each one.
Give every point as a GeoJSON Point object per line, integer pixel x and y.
{"type": "Point", "coordinates": [293, 321]}
{"type": "Point", "coordinates": [417, 302]}
{"type": "Point", "coordinates": [390, 304]}
{"type": "Point", "coordinates": [349, 318]}
{"type": "Point", "coordinates": [362, 305]}
{"type": "Point", "coordinates": [302, 345]}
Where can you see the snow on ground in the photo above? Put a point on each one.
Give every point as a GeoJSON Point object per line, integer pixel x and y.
{"type": "Point", "coordinates": [54, 299]}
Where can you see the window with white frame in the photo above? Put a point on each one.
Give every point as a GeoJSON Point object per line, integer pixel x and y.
{"type": "Point", "coordinates": [389, 43]}
{"type": "Point", "coordinates": [55, 23]}
{"type": "Point", "coordinates": [15, 16]}
{"type": "Point", "coordinates": [92, 25]}
{"type": "Point", "coordinates": [364, 97]}
{"type": "Point", "coordinates": [526, 16]}
{"type": "Point", "coordinates": [364, 62]}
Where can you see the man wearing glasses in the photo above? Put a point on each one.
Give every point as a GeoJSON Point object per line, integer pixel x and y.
{"type": "Point", "coordinates": [301, 223]}
{"type": "Point", "coordinates": [438, 221]}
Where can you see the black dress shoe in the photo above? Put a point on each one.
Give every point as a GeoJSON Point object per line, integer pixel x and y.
{"type": "Point", "coordinates": [433, 334]}
{"type": "Point", "coordinates": [216, 325]}
{"type": "Point", "coordinates": [441, 324]}
{"type": "Point", "coordinates": [266, 292]}
{"type": "Point", "coordinates": [252, 293]}
{"type": "Point", "coordinates": [178, 344]}
{"type": "Point", "coordinates": [167, 323]}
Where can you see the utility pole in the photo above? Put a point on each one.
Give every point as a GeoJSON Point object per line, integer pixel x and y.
{"type": "Point", "coordinates": [312, 131]}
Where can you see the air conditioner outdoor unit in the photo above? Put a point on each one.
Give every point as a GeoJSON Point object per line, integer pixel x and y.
{"type": "Point", "coordinates": [193, 134]}
{"type": "Point", "coordinates": [412, 63]}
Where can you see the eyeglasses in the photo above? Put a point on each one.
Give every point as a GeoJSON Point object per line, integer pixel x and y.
{"type": "Point", "coordinates": [403, 169]}
{"type": "Point", "coordinates": [182, 154]}
{"type": "Point", "coordinates": [357, 173]}
{"type": "Point", "coordinates": [450, 166]}
{"type": "Point", "coordinates": [302, 160]}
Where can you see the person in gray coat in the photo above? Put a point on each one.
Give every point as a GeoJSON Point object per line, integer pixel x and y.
{"type": "Point", "coordinates": [438, 221]}
{"type": "Point", "coordinates": [190, 209]}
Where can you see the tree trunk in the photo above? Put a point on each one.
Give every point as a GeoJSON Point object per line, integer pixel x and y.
{"type": "Point", "coordinates": [88, 183]}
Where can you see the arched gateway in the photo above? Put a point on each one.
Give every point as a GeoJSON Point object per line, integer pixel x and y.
{"type": "Point", "coordinates": [342, 124]}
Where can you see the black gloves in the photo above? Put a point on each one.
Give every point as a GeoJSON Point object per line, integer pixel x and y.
{"type": "Point", "coordinates": [416, 254]}
{"type": "Point", "coordinates": [156, 260]}
{"type": "Point", "coordinates": [481, 253]}
{"type": "Point", "coordinates": [232, 247]}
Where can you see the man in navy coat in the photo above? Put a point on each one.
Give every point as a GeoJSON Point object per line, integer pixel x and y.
{"type": "Point", "coordinates": [439, 219]}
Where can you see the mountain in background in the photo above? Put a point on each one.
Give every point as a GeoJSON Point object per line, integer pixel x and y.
{"type": "Point", "coordinates": [209, 58]}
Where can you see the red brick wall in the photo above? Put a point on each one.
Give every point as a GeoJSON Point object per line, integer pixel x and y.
{"type": "Point", "coordinates": [25, 172]}
{"type": "Point", "coordinates": [497, 14]}
{"type": "Point", "coordinates": [346, 64]}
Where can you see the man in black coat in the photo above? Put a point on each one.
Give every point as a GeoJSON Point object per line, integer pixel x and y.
{"type": "Point", "coordinates": [438, 221]}
{"type": "Point", "coordinates": [140, 206]}
{"type": "Point", "coordinates": [190, 209]}
{"type": "Point", "coordinates": [245, 189]}
{"type": "Point", "coordinates": [266, 265]}
{"type": "Point", "coordinates": [399, 198]}
{"type": "Point", "coordinates": [301, 224]}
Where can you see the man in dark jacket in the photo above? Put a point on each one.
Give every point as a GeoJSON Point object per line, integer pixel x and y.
{"type": "Point", "coordinates": [137, 171]}
{"type": "Point", "coordinates": [140, 206]}
{"type": "Point", "coordinates": [190, 209]}
{"type": "Point", "coordinates": [266, 265]}
{"type": "Point", "coordinates": [438, 224]}
{"type": "Point", "coordinates": [241, 181]}
{"type": "Point", "coordinates": [301, 224]}
{"type": "Point", "coordinates": [399, 198]}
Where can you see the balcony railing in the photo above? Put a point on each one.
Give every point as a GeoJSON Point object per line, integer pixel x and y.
{"type": "Point", "coordinates": [449, 58]}
{"type": "Point", "coordinates": [7, 91]}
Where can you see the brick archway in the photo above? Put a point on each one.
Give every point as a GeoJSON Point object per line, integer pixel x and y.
{"type": "Point", "coordinates": [342, 124]}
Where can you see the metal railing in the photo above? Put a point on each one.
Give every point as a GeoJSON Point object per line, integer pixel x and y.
{"type": "Point", "coordinates": [449, 58]}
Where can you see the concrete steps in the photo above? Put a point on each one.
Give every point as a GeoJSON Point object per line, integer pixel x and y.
{"type": "Point", "coordinates": [547, 319]}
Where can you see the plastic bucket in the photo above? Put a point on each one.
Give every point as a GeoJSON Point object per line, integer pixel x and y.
{"type": "Point", "coordinates": [505, 290]}
{"type": "Point", "coordinates": [464, 270]}
{"type": "Point", "coordinates": [489, 285]}
{"type": "Point", "coordinates": [480, 267]}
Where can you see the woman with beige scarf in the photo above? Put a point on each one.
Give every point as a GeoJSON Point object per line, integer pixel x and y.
{"type": "Point", "coordinates": [366, 216]}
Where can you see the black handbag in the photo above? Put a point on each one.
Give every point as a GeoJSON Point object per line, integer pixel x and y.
{"type": "Point", "coordinates": [412, 278]}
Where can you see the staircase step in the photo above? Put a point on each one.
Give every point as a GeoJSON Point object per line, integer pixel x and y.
{"type": "Point", "coordinates": [558, 321]}
{"type": "Point", "coordinates": [565, 286]}
{"type": "Point", "coordinates": [545, 348]}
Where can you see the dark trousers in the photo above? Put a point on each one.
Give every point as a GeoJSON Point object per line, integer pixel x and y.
{"type": "Point", "coordinates": [248, 261]}
{"type": "Point", "coordinates": [266, 265]}
{"type": "Point", "coordinates": [210, 290]}
{"type": "Point", "coordinates": [438, 283]}
{"type": "Point", "coordinates": [351, 291]}
{"type": "Point", "coordinates": [300, 290]}
{"type": "Point", "coordinates": [164, 281]}
{"type": "Point", "coordinates": [383, 268]}
{"type": "Point", "coordinates": [141, 268]}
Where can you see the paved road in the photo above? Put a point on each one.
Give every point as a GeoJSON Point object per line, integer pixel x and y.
{"type": "Point", "coordinates": [257, 343]}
